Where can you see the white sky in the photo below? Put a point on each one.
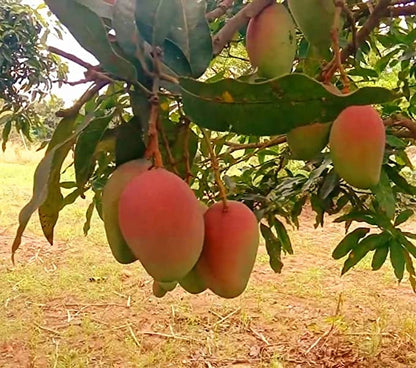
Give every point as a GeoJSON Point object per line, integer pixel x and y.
{"type": "Point", "coordinates": [69, 44]}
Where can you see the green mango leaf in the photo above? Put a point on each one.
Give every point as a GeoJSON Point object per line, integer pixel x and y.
{"type": "Point", "coordinates": [397, 259]}
{"type": "Point", "coordinates": [86, 147]}
{"type": "Point", "coordinates": [273, 247]}
{"type": "Point", "coordinates": [141, 110]}
{"type": "Point", "coordinates": [358, 217]}
{"type": "Point", "coordinates": [283, 236]}
{"type": "Point", "coordinates": [379, 257]}
{"type": "Point", "coordinates": [5, 134]}
{"type": "Point", "coordinates": [45, 180]}
{"type": "Point", "coordinates": [399, 180]}
{"type": "Point", "coordinates": [410, 269]}
{"type": "Point", "coordinates": [349, 242]}
{"type": "Point", "coordinates": [89, 30]}
{"type": "Point", "coordinates": [124, 25]}
{"type": "Point", "coordinates": [99, 7]}
{"type": "Point", "coordinates": [271, 107]}
{"type": "Point", "coordinates": [181, 29]}
{"type": "Point", "coordinates": [129, 145]}
{"type": "Point", "coordinates": [407, 243]}
{"type": "Point", "coordinates": [88, 216]}
{"type": "Point", "coordinates": [384, 195]}
{"type": "Point", "coordinates": [403, 217]}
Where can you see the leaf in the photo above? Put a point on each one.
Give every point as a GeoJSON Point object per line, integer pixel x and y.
{"type": "Point", "coordinates": [45, 175]}
{"type": "Point", "coordinates": [271, 107]}
{"type": "Point", "coordinates": [181, 29]}
{"type": "Point", "coordinates": [384, 195]}
{"type": "Point", "coordinates": [85, 148]}
{"type": "Point", "coordinates": [358, 217]}
{"type": "Point", "coordinates": [329, 184]}
{"type": "Point", "coordinates": [129, 145]}
{"type": "Point", "coordinates": [379, 257]}
{"type": "Point", "coordinates": [283, 236]}
{"type": "Point", "coordinates": [5, 134]}
{"type": "Point", "coordinates": [88, 215]}
{"type": "Point", "coordinates": [411, 270]}
{"type": "Point", "coordinates": [273, 247]}
{"type": "Point", "coordinates": [349, 242]}
{"type": "Point", "coordinates": [397, 259]}
{"type": "Point", "coordinates": [399, 180]}
{"type": "Point", "coordinates": [89, 30]}
{"type": "Point", "coordinates": [124, 25]}
{"type": "Point", "coordinates": [403, 217]}
{"type": "Point", "coordinates": [99, 7]}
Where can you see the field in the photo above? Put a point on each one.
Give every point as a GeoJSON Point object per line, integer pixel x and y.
{"type": "Point", "coordinates": [72, 305]}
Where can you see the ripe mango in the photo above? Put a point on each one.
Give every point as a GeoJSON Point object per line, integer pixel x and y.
{"type": "Point", "coordinates": [307, 141]}
{"type": "Point", "coordinates": [111, 195]}
{"type": "Point", "coordinates": [315, 19]}
{"type": "Point", "coordinates": [271, 41]}
{"type": "Point", "coordinates": [357, 141]}
{"type": "Point", "coordinates": [230, 248]}
{"type": "Point", "coordinates": [162, 222]}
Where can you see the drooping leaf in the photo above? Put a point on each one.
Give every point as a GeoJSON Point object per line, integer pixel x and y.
{"type": "Point", "coordinates": [89, 30]}
{"type": "Point", "coordinates": [410, 269]}
{"type": "Point", "coordinates": [5, 134]}
{"type": "Point", "coordinates": [99, 7]}
{"type": "Point", "coordinates": [397, 259]}
{"type": "Point", "coordinates": [379, 257]}
{"type": "Point", "coordinates": [86, 146]}
{"type": "Point", "coordinates": [271, 107]}
{"type": "Point", "coordinates": [357, 216]}
{"type": "Point", "coordinates": [283, 236]}
{"type": "Point", "coordinates": [88, 216]}
{"type": "Point", "coordinates": [273, 247]}
{"type": "Point", "coordinates": [349, 242]}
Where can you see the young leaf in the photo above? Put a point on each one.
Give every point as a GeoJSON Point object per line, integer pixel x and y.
{"type": "Point", "coordinates": [397, 259]}
{"type": "Point", "coordinates": [279, 105]}
{"type": "Point", "coordinates": [273, 247]}
{"type": "Point", "coordinates": [349, 242]}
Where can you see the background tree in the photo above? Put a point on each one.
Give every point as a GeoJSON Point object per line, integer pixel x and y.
{"type": "Point", "coordinates": [27, 69]}
{"type": "Point", "coordinates": [174, 84]}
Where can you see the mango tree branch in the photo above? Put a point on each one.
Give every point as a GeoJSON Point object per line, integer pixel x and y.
{"type": "Point", "coordinates": [371, 23]}
{"type": "Point", "coordinates": [269, 143]}
{"type": "Point", "coordinates": [219, 11]}
{"type": "Point", "coordinates": [88, 94]}
{"type": "Point", "coordinates": [237, 22]}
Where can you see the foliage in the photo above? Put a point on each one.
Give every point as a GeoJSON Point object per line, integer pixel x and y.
{"type": "Point", "coordinates": [206, 104]}
{"type": "Point", "coordinates": [27, 69]}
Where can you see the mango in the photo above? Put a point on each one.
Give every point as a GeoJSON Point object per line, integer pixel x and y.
{"type": "Point", "coordinates": [162, 223]}
{"type": "Point", "coordinates": [230, 248]}
{"type": "Point", "coordinates": [315, 19]}
{"type": "Point", "coordinates": [110, 197]}
{"type": "Point", "coordinates": [357, 141]}
{"type": "Point", "coordinates": [193, 282]}
{"type": "Point", "coordinates": [271, 41]}
{"type": "Point", "coordinates": [307, 141]}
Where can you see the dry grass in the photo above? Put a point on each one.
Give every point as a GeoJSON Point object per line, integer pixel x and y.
{"type": "Point", "coordinates": [72, 305]}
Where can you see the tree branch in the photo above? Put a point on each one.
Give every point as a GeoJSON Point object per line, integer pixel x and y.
{"type": "Point", "coordinates": [238, 21]}
{"type": "Point", "coordinates": [88, 94]}
{"type": "Point", "coordinates": [219, 11]}
{"type": "Point", "coordinates": [371, 23]}
{"type": "Point", "coordinates": [71, 57]}
{"type": "Point", "coordinates": [271, 142]}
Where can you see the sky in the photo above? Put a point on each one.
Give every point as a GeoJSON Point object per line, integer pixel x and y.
{"type": "Point", "coordinates": [68, 93]}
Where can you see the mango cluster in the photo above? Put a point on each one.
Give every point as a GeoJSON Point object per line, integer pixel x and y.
{"type": "Point", "coordinates": [357, 136]}
{"type": "Point", "coordinates": [152, 215]}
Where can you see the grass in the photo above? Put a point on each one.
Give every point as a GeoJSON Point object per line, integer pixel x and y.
{"type": "Point", "coordinates": [72, 305]}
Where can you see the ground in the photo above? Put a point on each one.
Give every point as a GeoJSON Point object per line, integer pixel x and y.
{"type": "Point", "coordinates": [73, 305]}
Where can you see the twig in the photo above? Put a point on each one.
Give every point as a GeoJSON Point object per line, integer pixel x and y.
{"type": "Point", "coordinates": [133, 336]}
{"type": "Point", "coordinates": [171, 159]}
{"type": "Point", "coordinates": [88, 94]}
{"type": "Point", "coordinates": [186, 156]}
{"type": "Point", "coordinates": [271, 142]}
{"type": "Point", "coordinates": [71, 57]}
{"type": "Point", "coordinates": [259, 336]}
{"type": "Point", "coordinates": [226, 317]}
{"type": "Point", "coordinates": [48, 329]}
{"type": "Point", "coordinates": [219, 11]}
{"type": "Point", "coordinates": [216, 168]}
{"type": "Point", "coordinates": [237, 22]}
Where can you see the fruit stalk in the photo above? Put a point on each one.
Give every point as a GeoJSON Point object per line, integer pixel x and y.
{"type": "Point", "coordinates": [216, 168]}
